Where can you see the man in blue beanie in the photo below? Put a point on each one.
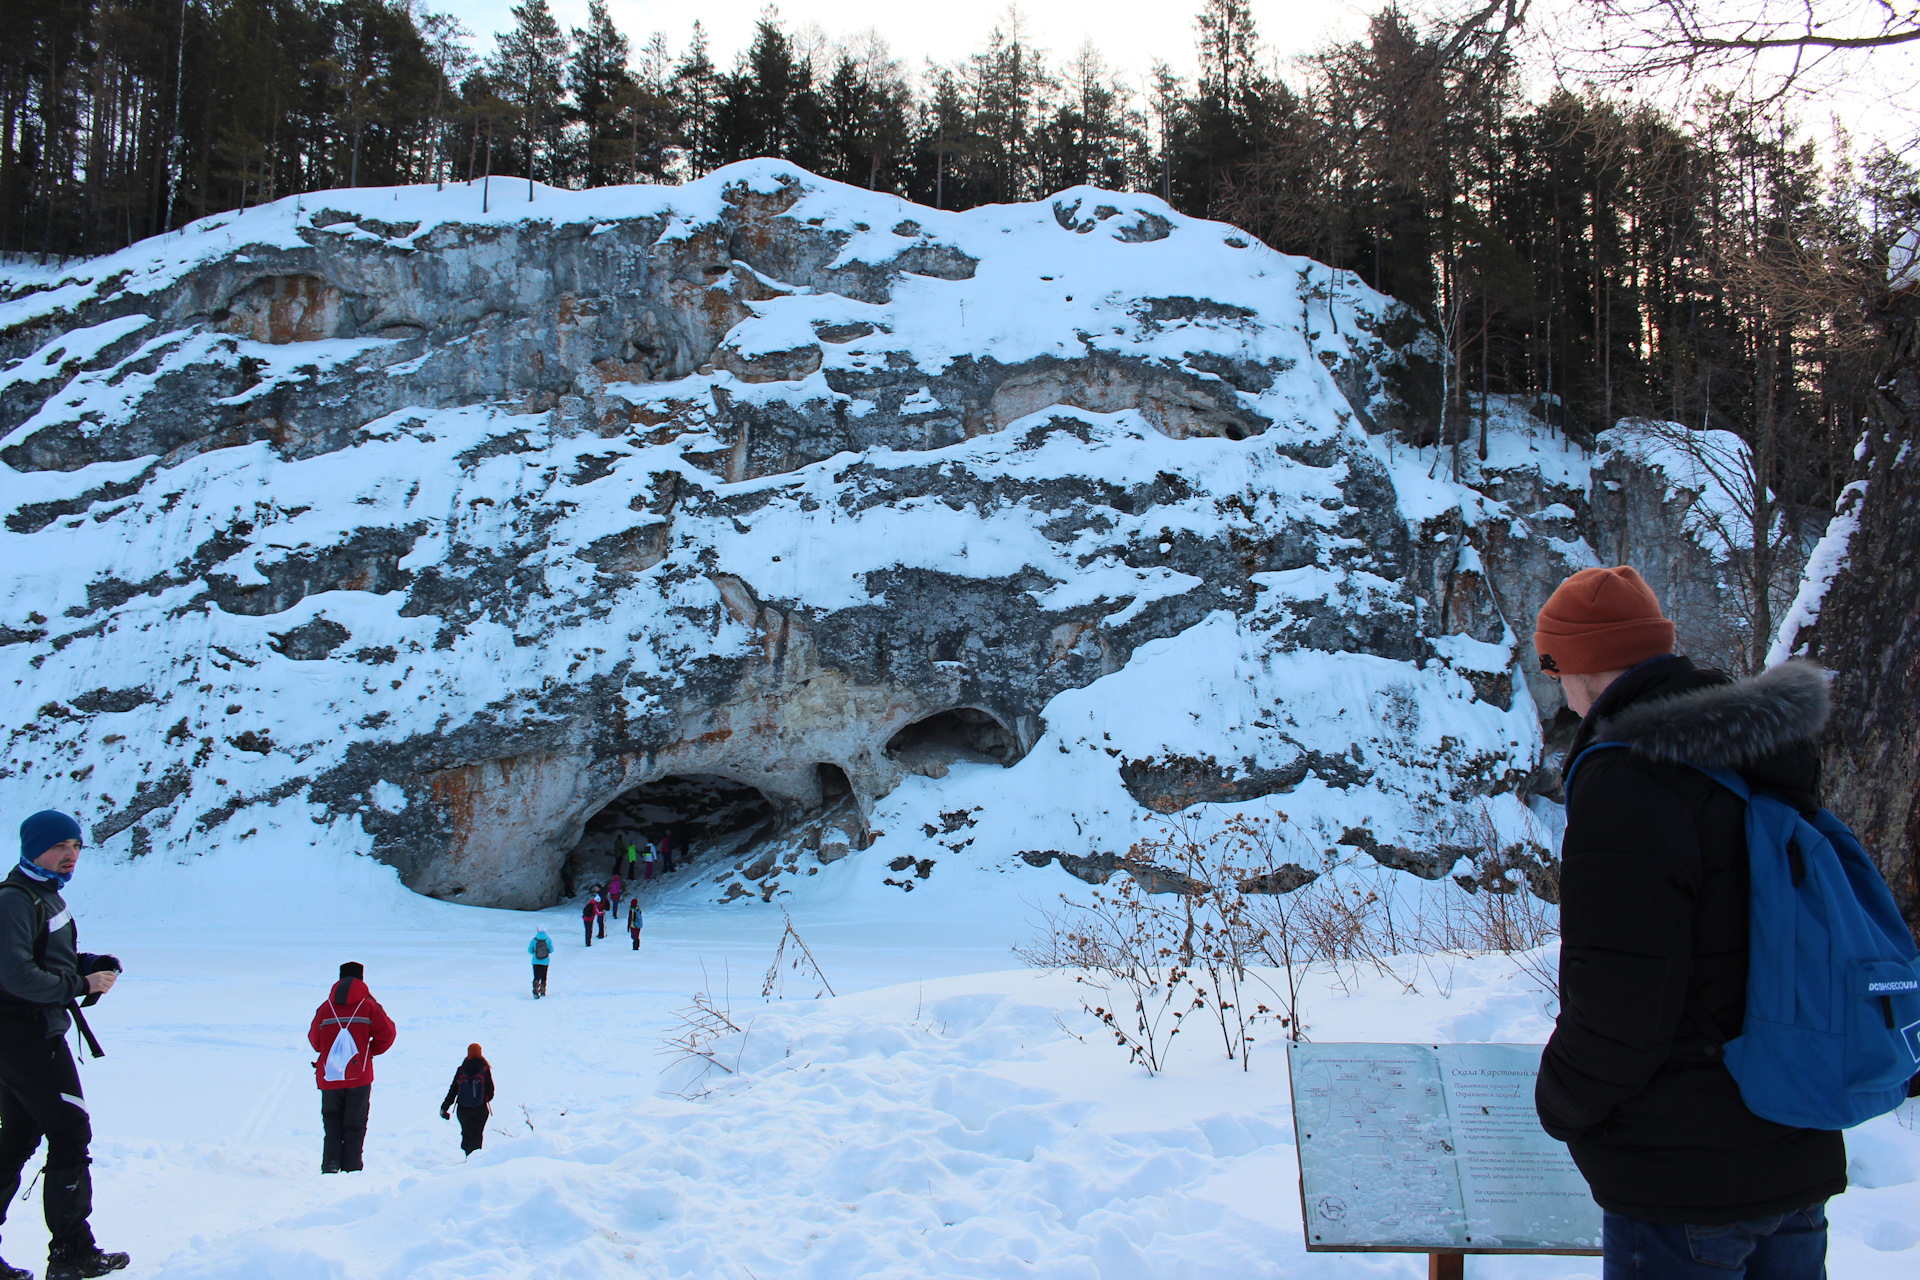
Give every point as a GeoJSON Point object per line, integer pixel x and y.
{"type": "Point", "coordinates": [42, 974]}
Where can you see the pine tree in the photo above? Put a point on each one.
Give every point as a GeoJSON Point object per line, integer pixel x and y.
{"type": "Point", "coordinates": [1170, 125]}
{"type": "Point", "coordinates": [644, 116]}
{"type": "Point", "coordinates": [1093, 136]}
{"type": "Point", "coordinates": [864, 105]}
{"type": "Point", "coordinates": [1009, 90]}
{"type": "Point", "coordinates": [768, 106]}
{"type": "Point", "coordinates": [602, 89]}
{"type": "Point", "coordinates": [528, 68]}
{"type": "Point", "coordinates": [1231, 97]}
{"type": "Point", "coordinates": [1228, 48]}
{"type": "Point", "coordinates": [447, 40]}
{"type": "Point", "coordinates": [696, 91]}
{"type": "Point", "coordinates": [944, 144]}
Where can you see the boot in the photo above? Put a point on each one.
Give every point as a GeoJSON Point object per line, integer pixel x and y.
{"type": "Point", "coordinates": [13, 1273]}
{"type": "Point", "coordinates": [81, 1262]}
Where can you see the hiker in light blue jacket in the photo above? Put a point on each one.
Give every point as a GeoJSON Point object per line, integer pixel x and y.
{"type": "Point", "coordinates": [541, 949]}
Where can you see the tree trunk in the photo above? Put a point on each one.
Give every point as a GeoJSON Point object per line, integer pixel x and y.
{"type": "Point", "coordinates": [1868, 634]}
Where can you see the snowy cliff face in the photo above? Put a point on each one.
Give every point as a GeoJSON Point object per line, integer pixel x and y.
{"type": "Point", "coordinates": [474, 540]}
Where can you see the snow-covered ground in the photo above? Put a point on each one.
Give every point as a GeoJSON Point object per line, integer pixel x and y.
{"type": "Point", "coordinates": [949, 1114]}
{"type": "Point", "coordinates": [946, 1113]}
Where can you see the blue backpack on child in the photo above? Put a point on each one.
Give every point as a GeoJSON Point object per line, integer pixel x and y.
{"type": "Point", "coordinates": [1832, 1032]}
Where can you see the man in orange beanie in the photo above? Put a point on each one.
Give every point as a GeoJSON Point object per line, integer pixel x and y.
{"type": "Point", "coordinates": [1653, 949]}
{"type": "Point", "coordinates": [1595, 627]}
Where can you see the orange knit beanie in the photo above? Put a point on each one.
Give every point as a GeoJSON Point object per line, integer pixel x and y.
{"type": "Point", "coordinates": [1601, 620]}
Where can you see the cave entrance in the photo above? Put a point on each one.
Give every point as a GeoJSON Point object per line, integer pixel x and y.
{"type": "Point", "coordinates": [961, 735]}
{"type": "Point", "coordinates": [699, 814]}
{"type": "Point", "coordinates": [834, 785]}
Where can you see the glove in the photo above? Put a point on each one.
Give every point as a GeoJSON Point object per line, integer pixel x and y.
{"type": "Point", "coordinates": [444, 1115]}
{"type": "Point", "coordinates": [99, 964]}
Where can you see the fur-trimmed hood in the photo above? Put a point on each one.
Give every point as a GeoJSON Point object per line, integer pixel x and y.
{"type": "Point", "coordinates": [1726, 725]}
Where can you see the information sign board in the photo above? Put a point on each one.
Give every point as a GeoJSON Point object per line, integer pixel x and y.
{"type": "Point", "coordinates": [1429, 1148]}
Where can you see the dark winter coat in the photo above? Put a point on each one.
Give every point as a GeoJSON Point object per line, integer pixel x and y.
{"type": "Point", "coordinates": [34, 994]}
{"type": "Point", "coordinates": [471, 1069]}
{"type": "Point", "coordinates": [350, 1005]}
{"type": "Point", "coordinates": [1653, 949]}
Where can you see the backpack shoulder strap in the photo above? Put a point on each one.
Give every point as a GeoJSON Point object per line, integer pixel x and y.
{"type": "Point", "coordinates": [1727, 778]}
{"type": "Point", "coordinates": [1580, 759]}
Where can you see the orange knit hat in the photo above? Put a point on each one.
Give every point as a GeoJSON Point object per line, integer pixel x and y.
{"type": "Point", "coordinates": [1601, 620]}
{"type": "Point", "coordinates": [473, 1051]}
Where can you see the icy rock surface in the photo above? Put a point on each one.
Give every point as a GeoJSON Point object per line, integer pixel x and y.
{"type": "Point", "coordinates": [452, 525]}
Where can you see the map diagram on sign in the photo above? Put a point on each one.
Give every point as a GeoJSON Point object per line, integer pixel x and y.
{"type": "Point", "coordinates": [1411, 1146]}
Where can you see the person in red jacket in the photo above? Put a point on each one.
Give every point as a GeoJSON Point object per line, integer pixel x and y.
{"type": "Point", "coordinates": [349, 1029]}
{"type": "Point", "coordinates": [590, 911]}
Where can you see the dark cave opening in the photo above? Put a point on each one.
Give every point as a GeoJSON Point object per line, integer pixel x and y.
{"type": "Point", "coordinates": [834, 785]}
{"type": "Point", "coordinates": [696, 814]}
{"type": "Point", "coordinates": [959, 734]}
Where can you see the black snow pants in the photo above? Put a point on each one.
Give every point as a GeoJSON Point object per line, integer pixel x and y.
{"type": "Point", "coordinates": [539, 980]}
{"type": "Point", "coordinates": [343, 1125]}
{"type": "Point", "coordinates": [473, 1125]}
{"type": "Point", "coordinates": [40, 1097]}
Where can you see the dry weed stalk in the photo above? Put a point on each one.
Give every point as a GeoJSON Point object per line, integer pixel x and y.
{"type": "Point", "coordinates": [1510, 904]}
{"type": "Point", "coordinates": [701, 1027]}
{"type": "Point", "coordinates": [775, 984]}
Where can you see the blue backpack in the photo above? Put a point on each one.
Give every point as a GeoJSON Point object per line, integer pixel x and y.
{"type": "Point", "coordinates": [1832, 1031]}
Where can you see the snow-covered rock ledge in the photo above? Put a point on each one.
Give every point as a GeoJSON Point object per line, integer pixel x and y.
{"type": "Point", "coordinates": [486, 536]}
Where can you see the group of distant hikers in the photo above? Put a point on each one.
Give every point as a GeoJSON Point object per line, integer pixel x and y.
{"type": "Point", "coordinates": [45, 981]}
{"type": "Point", "coordinates": [636, 859]}
{"type": "Point", "coordinates": [1700, 1069]}
{"type": "Point", "coordinates": [603, 901]}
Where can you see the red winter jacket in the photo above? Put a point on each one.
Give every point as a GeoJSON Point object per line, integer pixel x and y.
{"type": "Point", "coordinates": [352, 1006]}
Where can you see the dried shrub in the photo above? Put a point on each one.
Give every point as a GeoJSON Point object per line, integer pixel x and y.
{"type": "Point", "coordinates": [1229, 921]}
{"type": "Point", "coordinates": [1176, 933]}
{"type": "Point", "coordinates": [700, 1034]}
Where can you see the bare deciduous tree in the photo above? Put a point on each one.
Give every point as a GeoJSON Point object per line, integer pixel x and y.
{"type": "Point", "coordinates": [1783, 45]}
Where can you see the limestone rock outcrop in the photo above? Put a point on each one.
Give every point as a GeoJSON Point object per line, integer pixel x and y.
{"type": "Point", "coordinates": [450, 529]}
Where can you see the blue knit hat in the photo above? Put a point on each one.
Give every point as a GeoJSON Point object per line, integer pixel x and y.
{"type": "Point", "coordinates": [44, 830]}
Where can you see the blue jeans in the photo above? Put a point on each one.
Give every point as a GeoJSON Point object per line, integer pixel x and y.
{"type": "Point", "coordinates": [1781, 1246]}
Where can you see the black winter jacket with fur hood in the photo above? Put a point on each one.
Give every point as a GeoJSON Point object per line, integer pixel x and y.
{"type": "Point", "coordinates": [1653, 952]}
